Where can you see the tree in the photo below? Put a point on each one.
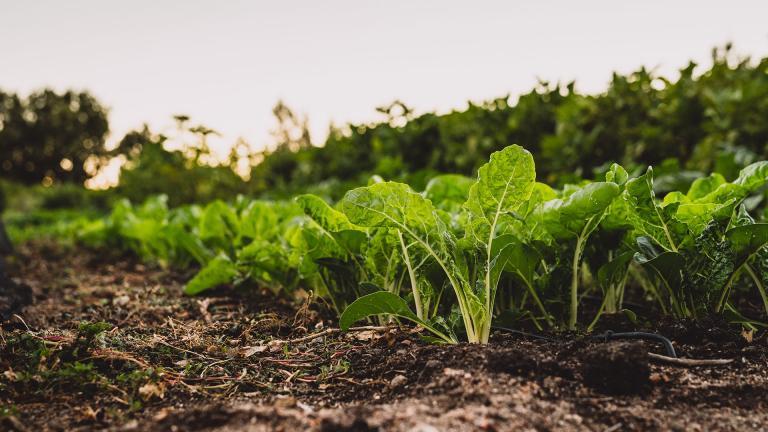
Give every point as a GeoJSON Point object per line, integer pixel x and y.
{"type": "Point", "coordinates": [50, 137]}
{"type": "Point", "coordinates": [184, 175]}
{"type": "Point", "coordinates": [292, 130]}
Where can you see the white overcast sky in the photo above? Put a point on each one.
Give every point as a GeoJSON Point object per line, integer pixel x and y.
{"type": "Point", "coordinates": [226, 63]}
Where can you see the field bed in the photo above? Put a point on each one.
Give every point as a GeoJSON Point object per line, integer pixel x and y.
{"type": "Point", "coordinates": [234, 361]}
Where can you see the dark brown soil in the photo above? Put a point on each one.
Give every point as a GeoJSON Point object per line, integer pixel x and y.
{"type": "Point", "coordinates": [250, 361]}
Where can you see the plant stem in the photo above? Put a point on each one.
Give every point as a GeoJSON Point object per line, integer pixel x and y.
{"type": "Point", "coordinates": [414, 282]}
{"type": "Point", "coordinates": [575, 282]}
{"type": "Point", "coordinates": [598, 315]}
{"type": "Point", "coordinates": [538, 302]}
{"type": "Point", "coordinates": [759, 285]}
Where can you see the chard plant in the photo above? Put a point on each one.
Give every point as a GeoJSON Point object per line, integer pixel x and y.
{"type": "Point", "coordinates": [570, 221]}
{"type": "Point", "coordinates": [470, 266]}
{"type": "Point", "coordinates": [698, 244]}
{"type": "Point", "coordinates": [351, 260]}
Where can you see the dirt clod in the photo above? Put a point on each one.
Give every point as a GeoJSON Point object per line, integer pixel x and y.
{"type": "Point", "coordinates": [398, 381]}
{"type": "Point", "coordinates": [617, 367]}
{"type": "Point", "coordinates": [511, 361]}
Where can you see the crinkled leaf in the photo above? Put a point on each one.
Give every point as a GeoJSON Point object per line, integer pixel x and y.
{"type": "Point", "coordinates": [697, 216]}
{"type": "Point", "coordinates": [747, 240]}
{"type": "Point", "coordinates": [392, 205]}
{"type": "Point", "coordinates": [347, 235]}
{"type": "Point", "coordinates": [709, 265]}
{"type": "Point", "coordinates": [753, 176]}
{"type": "Point", "coordinates": [448, 192]}
{"type": "Point", "coordinates": [703, 186]}
{"type": "Point", "coordinates": [326, 216]}
{"type": "Point", "coordinates": [503, 185]}
{"type": "Point", "coordinates": [425, 235]}
{"type": "Point", "coordinates": [647, 217]}
{"type": "Point", "coordinates": [567, 219]}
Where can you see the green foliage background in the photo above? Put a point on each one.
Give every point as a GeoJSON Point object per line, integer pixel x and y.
{"type": "Point", "coordinates": [705, 120]}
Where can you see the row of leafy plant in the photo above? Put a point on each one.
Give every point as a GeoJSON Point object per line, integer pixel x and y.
{"type": "Point", "coordinates": [466, 253]}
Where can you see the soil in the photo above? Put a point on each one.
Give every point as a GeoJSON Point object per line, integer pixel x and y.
{"type": "Point", "coordinates": [109, 343]}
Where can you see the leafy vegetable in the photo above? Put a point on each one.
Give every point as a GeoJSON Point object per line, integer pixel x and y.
{"type": "Point", "coordinates": [575, 219]}
{"type": "Point", "coordinates": [219, 271]}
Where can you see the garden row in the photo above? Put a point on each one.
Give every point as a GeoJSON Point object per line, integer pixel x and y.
{"type": "Point", "coordinates": [466, 254]}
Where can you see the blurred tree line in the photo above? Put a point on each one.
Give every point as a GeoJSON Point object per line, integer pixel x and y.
{"type": "Point", "coordinates": [710, 120]}
{"type": "Point", "coordinates": [713, 119]}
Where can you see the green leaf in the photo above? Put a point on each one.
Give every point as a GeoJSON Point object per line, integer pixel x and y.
{"type": "Point", "coordinates": [503, 185]}
{"type": "Point", "coordinates": [647, 217]}
{"type": "Point", "coordinates": [674, 197]}
{"type": "Point", "coordinates": [567, 219]}
{"type": "Point", "coordinates": [219, 271]}
{"type": "Point", "coordinates": [612, 276]}
{"type": "Point", "coordinates": [667, 267]}
{"type": "Point", "coordinates": [697, 216]}
{"type": "Point", "coordinates": [753, 176]}
{"type": "Point", "coordinates": [326, 216]}
{"type": "Point", "coordinates": [747, 240]}
{"type": "Point", "coordinates": [261, 219]}
{"type": "Point", "coordinates": [701, 187]}
{"type": "Point", "coordinates": [347, 235]}
{"type": "Point", "coordinates": [617, 174]}
{"type": "Point", "coordinates": [575, 218]}
{"type": "Point", "coordinates": [741, 217]}
{"type": "Point", "coordinates": [269, 263]}
{"type": "Point", "coordinates": [511, 255]}
{"type": "Point", "coordinates": [710, 265]}
{"type": "Point", "coordinates": [391, 205]}
{"type": "Point", "coordinates": [218, 221]}
{"type": "Point", "coordinates": [540, 194]}
{"type": "Point", "coordinates": [448, 192]}
{"type": "Point", "coordinates": [189, 243]}
{"type": "Point", "coordinates": [382, 259]}
{"type": "Point", "coordinates": [383, 302]}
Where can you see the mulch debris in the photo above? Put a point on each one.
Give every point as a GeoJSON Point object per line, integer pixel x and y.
{"type": "Point", "coordinates": [109, 343]}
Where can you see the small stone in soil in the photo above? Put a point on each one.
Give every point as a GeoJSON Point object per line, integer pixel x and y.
{"type": "Point", "coordinates": [398, 381]}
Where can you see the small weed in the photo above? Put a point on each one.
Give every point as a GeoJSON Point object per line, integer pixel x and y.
{"type": "Point", "coordinates": [88, 330]}
{"type": "Point", "coordinates": [8, 411]}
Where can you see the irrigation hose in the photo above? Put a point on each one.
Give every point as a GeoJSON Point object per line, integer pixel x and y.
{"type": "Point", "coordinates": [609, 335]}
{"type": "Point", "coordinates": [523, 333]}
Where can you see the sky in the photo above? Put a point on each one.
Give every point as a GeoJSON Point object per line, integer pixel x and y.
{"type": "Point", "coordinates": [226, 63]}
